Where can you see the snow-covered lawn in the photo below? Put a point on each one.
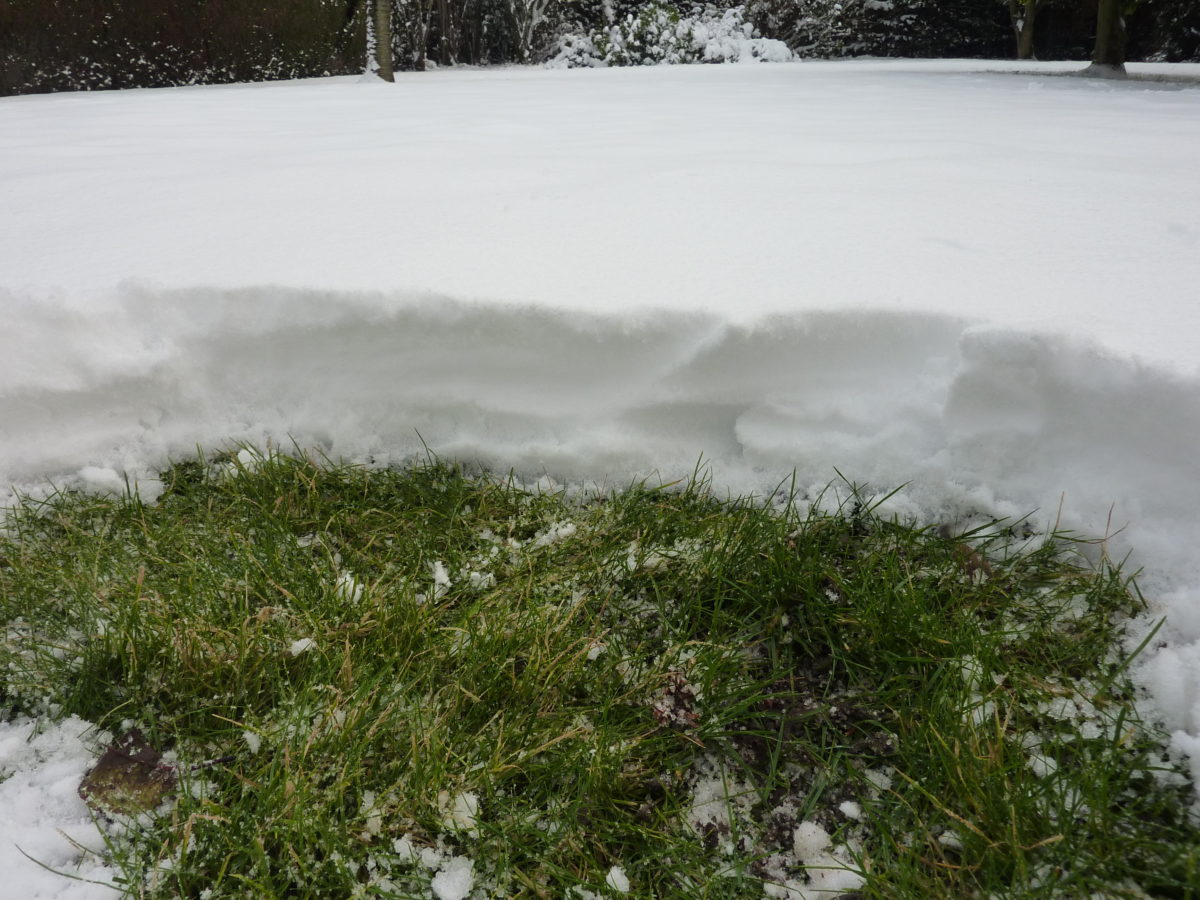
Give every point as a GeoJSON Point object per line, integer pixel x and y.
{"type": "Point", "coordinates": [980, 284]}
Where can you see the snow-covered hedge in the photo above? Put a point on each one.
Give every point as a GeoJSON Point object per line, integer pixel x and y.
{"type": "Point", "coordinates": [658, 34]}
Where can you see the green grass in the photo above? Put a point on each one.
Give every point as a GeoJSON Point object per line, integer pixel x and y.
{"type": "Point", "coordinates": [361, 649]}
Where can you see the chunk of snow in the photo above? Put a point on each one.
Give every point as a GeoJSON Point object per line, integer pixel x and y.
{"type": "Point", "coordinates": [829, 869]}
{"type": "Point", "coordinates": [481, 580]}
{"type": "Point", "coordinates": [850, 809]}
{"type": "Point", "coordinates": [617, 880]}
{"type": "Point", "coordinates": [557, 532]}
{"type": "Point", "coordinates": [348, 589]}
{"type": "Point", "coordinates": [405, 851]}
{"type": "Point", "coordinates": [441, 579]}
{"type": "Point", "coordinates": [454, 880]}
{"type": "Point", "coordinates": [810, 841]}
{"type": "Point", "coordinates": [460, 812]}
{"type": "Point", "coordinates": [372, 815]}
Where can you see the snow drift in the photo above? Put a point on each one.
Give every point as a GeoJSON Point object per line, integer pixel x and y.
{"type": "Point", "coordinates": [974, 417]}
{"type": "Point", "coordinates": [979, 285]}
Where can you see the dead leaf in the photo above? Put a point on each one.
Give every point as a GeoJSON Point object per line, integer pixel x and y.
{"type": "Point", "coordinates": [973, 563]}
{"type": "Point", "coordinates": [129, 777]}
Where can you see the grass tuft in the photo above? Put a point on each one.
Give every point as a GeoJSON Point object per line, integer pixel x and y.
{"type": "Point", "coordinates": [384, 683]}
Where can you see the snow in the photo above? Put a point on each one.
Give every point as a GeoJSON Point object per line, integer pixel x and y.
{"type": "Point", "coordinates": [828, 870]}
{"type": "Point", "coordinates": [850, 809]}
{"type": "Point", "coordinates": [348, 589]}
{"type": "Point", "coordinates": [557, 532]}
{"type": "Point", "coordinates": [454, 880]}
{"type": "Point", "coordinates": [41, 766]}
{"type": "Point", "coordinates": [102, 480]}
{"type": "Point", "coordinates": [405, 851]}
{"type": "Point", "coordinates": [302, 645]}
{"type": "Point", "coordinates": [460, 812]}
{"type": "Point", "coordinates": [976, 280]}
{"type": "Point", "coordinates": [441, 578]}
{"type": "Point", "coordinates": [616, 880]}
{"type": "Point", "coordinates": [721, 808]}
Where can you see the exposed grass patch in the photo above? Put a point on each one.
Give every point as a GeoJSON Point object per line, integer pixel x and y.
{"type": "Point", "coordinates": [420, 681]}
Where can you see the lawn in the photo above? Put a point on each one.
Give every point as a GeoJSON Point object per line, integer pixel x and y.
{"type": "Point", "coordinates": [354, 681]}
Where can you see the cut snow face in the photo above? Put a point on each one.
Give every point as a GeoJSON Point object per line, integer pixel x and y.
{"type": "Point", "coordinates": [978, 285]}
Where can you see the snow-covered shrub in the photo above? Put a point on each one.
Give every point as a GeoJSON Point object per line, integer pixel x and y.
{"type": "Point", "coordinates": [655, 35]}
{"type": "Point", "coordinates": [576, 50]}
{"type": "Point", "coordinates": [730, 38]}
{"type": "Point", "coordinates": [658, 34]}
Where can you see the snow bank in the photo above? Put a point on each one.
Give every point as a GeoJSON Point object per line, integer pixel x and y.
{"type": "Point", "coordinates": [980, 285]}
{"type": "Point", "coordinates": [975, 418]}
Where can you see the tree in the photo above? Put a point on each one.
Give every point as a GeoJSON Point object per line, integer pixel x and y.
{"type": "Point", "coordinates": [379, 39]}
{"type": "Point", "coordinates": [527, 17]}
{"type": "Point", "coordinates": [379, 34]}
{"type": "Point", "coordinates": [1023, 14]}
{"type": "Point", "coordinates": [1108, 59]}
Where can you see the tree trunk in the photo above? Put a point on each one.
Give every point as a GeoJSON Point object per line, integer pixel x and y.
{"type": "Point", "coordinates": [1109, 57]}
{"type": "Point", "coordinates": [443, 32]}
{"type": "Point", "coordinates": [1023, 14]}
{"type": "Point", "coordinates": [1025, 35]}
{"type": "Point", "coordinates": [420, 26]}
{"type": "Point", "coordinates": [381, 17]}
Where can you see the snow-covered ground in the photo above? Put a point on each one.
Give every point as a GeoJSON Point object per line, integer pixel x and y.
{"type": "Point", "coordinates": [981, 280]}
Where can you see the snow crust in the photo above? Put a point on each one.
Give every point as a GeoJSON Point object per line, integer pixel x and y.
{"type": "Point", "coordinates": [978, 284]}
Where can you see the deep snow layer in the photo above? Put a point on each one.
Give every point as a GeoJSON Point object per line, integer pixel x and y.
{"type": "Point", "coordinates": [981, 285]}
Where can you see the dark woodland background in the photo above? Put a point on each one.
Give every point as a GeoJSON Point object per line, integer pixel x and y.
{"type": "Point", "coordinates": [56, 45]}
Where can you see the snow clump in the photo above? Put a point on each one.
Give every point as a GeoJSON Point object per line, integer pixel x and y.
{"type": "Point", "coordinates": [348, 589]}
{"type": "Point", "coordinates": [253, 740]}
{"type": "Point", "coordinates": [827, 869]}
{"type": "Point", "coordinates": [454, 880]}
{"type": "Point", "coordinates": [303, 645]}
{"type": "Point", "coordinates": [460, 812]}
{"type": "Point", "coordinates": [617, 880]}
